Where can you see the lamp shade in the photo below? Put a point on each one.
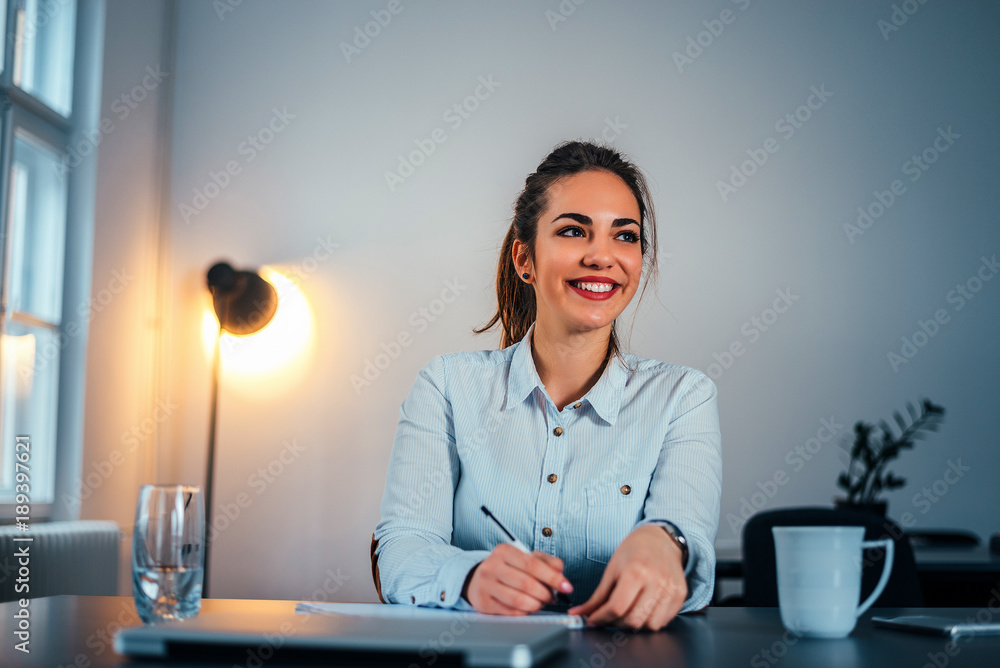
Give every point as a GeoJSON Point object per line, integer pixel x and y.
{"type": "Point", "coordinates": [244, 302]}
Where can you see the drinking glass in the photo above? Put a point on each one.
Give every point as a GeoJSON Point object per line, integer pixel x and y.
{"type": "Point", "coordinates": [168, 552]}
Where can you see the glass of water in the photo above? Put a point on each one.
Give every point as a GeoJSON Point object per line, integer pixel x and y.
{"type": "Point", "coordinates": [168, 547]}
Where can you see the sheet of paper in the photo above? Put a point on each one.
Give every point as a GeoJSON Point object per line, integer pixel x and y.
{"type": "Point", "coordinates": [416, 612]}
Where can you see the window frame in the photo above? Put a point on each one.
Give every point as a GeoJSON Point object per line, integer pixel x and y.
{"type": "Point", "coordinates": [20, 110]}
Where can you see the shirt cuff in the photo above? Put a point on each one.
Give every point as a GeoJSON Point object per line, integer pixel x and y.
{"type": "Point", "coordinates": [450, 579]}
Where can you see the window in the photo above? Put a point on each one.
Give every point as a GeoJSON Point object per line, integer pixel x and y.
{"type": "Point", "coordinates": [36, 95]}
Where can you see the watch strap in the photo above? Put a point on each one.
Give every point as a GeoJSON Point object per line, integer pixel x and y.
{"type": "Point", "coordinates": [674, 532]}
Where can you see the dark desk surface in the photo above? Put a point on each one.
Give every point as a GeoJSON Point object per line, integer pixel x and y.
{"type": "Point", "coordinates": [979, 559]}
{"type": "Point", "coordinates": [78, 631]}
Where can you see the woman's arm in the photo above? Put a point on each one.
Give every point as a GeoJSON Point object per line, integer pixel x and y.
{"type": "Point", "coordinates": [687, 483]}
{"type": "Point", "coordinates": [417, 562]}
{"type": "Point", "coordinates": [644, 583]}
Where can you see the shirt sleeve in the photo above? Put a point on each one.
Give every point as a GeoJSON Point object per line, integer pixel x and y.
{"type": "Point", "coordinates": [418, 565]}
{"type": "Point", "coordinates": [686, 488]}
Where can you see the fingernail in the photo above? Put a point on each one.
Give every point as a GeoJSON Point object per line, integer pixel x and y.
{"type": "Point", "coordinates": [566, 586]}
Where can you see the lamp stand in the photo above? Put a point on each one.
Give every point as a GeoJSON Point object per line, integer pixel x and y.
{"type": "Point", "coordinates": [210, 468]}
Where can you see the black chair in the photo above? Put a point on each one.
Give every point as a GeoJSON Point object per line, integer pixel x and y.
{"type": "Point", "coordinates": [944, 538]}
{"type": "Point", "coordinates": [760, 579]}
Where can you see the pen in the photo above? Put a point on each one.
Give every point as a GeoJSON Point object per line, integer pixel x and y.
{"type": "Point", "coordinates": [513, 540]}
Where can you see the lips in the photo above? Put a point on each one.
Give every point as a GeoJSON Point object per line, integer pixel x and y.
{"type": "Point", "coordinates": [591, 293]}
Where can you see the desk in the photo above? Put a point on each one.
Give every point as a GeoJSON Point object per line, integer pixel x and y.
{"type": "Point", "coordinates": [77, 631]}
{"type": "Point", "coordinates": [952, 576]}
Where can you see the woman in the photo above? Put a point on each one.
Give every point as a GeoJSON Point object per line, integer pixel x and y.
{"type": "Point", "coordinates": [606, 464]}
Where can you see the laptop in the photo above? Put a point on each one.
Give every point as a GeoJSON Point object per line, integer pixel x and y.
{"type": "Point", "coordinates": [254, 638]}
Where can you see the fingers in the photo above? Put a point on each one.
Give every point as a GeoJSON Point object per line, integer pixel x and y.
{"type": "Point", "coordinates": [599, 596]}
{"type": "Point", "coordinates": [617, 604]}
{"type": "Point", "coordinates": [553, 561]}
{"type": "Point", "coordinates": [548, 570]}
{"type": "Point", "coordinates": [640, 607]}
{"type": "Point", "coordinates": [524, 582]}
{"type": "Point", "coordinates": [511, 582]}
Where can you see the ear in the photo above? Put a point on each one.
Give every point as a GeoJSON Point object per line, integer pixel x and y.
{"type": "Point", "coordinates": [519, 256]}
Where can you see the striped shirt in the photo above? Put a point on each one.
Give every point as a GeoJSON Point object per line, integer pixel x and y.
{"type": "Point", "coordinates": [478, 428]}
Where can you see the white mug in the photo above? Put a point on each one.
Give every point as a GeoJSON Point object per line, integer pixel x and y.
{"type": "Point", "coordinates": [819, 578]}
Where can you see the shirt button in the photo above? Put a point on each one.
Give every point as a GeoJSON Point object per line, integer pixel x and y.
{"type": "Point", "coordinates": [442, 596]}
{"type": "Point", "coordinates": [577, 404]}
{"type": "Point", "coordinates": [546, 532]}
{"type": "Point", "coordinates": [558, 431]}
{"type": "Point", "coordinates": [552, 477]}
{"type": "Point", "coordinates": [626, 490]}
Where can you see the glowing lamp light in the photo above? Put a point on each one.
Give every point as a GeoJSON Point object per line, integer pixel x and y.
{"type": "Point", "coordinates": [273, 347]}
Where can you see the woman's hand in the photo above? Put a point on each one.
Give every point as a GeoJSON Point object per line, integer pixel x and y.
{"type": "Point", "coordinates": [510, 582]}
{"type": "Point", "coordinates": [643, 586]}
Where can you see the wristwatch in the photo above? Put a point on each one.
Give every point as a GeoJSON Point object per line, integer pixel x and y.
{"type": "Point", "coordinates": [678, 537]}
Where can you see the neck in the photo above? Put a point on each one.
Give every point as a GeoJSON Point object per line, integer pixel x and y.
{"type": "Point", "coordinates": [568, 363]}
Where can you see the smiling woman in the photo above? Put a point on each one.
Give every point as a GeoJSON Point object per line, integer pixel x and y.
{"type": "Point", "coordinates": [607, 465]}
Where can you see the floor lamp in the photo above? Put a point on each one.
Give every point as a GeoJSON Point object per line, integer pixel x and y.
{"type": "Point", "coordinates": [244, 303]}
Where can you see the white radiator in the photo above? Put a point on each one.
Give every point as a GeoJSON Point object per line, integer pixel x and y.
{"type": "Point", "coordinates": [63, 558]}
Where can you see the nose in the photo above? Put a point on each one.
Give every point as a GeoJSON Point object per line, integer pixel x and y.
{"type": "Point", "coordinates": [599, 252]}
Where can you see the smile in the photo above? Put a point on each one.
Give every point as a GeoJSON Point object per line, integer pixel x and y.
{"type": "Point", "coordinates": [594, 290]}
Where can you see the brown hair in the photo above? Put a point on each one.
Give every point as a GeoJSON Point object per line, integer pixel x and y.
{"type": "Point", "coordinates": [515, 298]}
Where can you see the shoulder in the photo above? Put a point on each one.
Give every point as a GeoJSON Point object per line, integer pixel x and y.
{"type": "Point", "coordinates": [474, 365]}
{"type": "Point", "coordinates": [650, 374]}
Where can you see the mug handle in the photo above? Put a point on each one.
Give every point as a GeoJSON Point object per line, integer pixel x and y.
{"type": "Point", "coordinates": [890, 552]}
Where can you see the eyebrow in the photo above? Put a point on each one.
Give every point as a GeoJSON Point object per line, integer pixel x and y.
{"type": "Point", "coordinates": [586, 220]}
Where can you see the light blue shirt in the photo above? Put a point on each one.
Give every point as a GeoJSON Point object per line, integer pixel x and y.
{"type": "Point", "coordinates": [478, 428]}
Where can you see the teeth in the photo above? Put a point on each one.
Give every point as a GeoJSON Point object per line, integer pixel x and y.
{"type": "Point", "coordinates": [593, 287]}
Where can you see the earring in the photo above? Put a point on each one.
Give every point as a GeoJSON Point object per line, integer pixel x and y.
{"type": "Point", "coordinates": [524, 275]}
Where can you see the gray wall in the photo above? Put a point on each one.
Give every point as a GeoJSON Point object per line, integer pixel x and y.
{"type": "Point", "coordinates": [608, 68]}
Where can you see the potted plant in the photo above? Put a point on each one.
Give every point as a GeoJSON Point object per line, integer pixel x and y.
{"type": "Point", "coordinates": [874, 447]}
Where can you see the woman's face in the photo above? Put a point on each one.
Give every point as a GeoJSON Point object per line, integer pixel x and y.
{"type": "Point", "coordinates": [587, 256]}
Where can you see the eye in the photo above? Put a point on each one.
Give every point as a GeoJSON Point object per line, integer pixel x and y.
{"type": "Point", "coordinates": [630, 237]}
{"type": "Point", "coordinates": [563, 231]}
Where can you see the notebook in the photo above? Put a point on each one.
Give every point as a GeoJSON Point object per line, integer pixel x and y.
{"type": "Point", "coordinates": [438, 614]}
{"type": "Point", "coordinates": [246, 637]}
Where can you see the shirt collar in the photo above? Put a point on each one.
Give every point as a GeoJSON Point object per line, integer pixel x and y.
{"type": "Point", "coordinates": [605, 396]}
